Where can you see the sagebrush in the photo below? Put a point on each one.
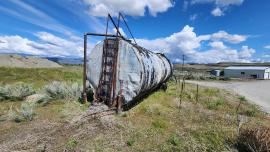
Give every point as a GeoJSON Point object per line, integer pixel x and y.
{"type": "Point", "coordinates": [63, 90]}
{"type": "Point", "coordinates": [16, 91]}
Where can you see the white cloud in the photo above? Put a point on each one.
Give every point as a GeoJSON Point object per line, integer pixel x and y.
{"type": "Point", "coordinates": [181, 42]}
{"type": "Point", "coordinates": [193, 17]}
{"type": "Point", "coordinates": [46, 45]}
{"type": "Point", "coordinates": [120, 30]}
{"type": "Point", "coordinates": [266, 56]}
{"type": "Point", "coordinates": [184, 42]}
{"type": "Point", "coordinates": [246, 52]}
{"type": "Point", "coordinates": [217, 12]}
{"type": "Point", "coordinates": [132, 8]}
{"type": "Point", "coordinates": [219, 2]}
{"type": "Point", "coordinates": [217, 45]}
{"type": "Point", "coordinates": [185, 6]}
{"type": "Point", "coordinates": [220, 5]}
{"type": "Point", "coordinates": [228, 2]}
{"type": "Point", "coordinates": [232, 38]}
{"type": "Point", "coordinates": [17, 44]}
{"type": "Point", "coordinates": [189, 43]}
{"type": "Point", "coordinates": [267, 47]}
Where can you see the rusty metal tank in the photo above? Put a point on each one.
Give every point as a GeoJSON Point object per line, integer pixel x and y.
{"type": "Point", "coordinates": [118, 67]}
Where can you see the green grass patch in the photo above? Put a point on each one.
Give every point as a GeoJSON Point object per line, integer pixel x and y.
{"type": "Point", "coordinates": [160, 124]}
{"type": "Point", "coordinates": [175, 140]}
{"type": "Point", "coordinates": [71, 143]}
{"type": "Point", "coordinates": [214, 105]}
{"type": "Point", "coordinates": [40, 76]}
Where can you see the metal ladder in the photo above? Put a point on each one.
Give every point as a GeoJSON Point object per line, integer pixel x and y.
{"type": "Point", "coordinates": [107, 82]}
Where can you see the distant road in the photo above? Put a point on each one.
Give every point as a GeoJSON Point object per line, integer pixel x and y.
{"type": "Point", "coordinates": [257, 91]}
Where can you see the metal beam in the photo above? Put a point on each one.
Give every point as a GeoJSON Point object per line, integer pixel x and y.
{"type": "Point", "coordinates": [117, 30]}
{"type": "Point", "coordinates": [128, 28]}
{"type": "Point", "coordinates": [84, 69]}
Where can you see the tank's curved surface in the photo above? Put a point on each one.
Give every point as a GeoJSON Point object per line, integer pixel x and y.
{"type": "Point", "coordinates": [138, 71]}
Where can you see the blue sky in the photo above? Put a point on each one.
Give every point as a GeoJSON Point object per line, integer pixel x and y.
{"type": "Point", "coordinates": [206, 31]}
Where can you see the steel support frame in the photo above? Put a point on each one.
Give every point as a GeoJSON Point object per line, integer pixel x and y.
{"type": "Point", "coordinates": [85, 58]}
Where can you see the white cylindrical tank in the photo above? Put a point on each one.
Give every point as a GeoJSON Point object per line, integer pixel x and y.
{"type": "Point", "coordinates": [138, 71]}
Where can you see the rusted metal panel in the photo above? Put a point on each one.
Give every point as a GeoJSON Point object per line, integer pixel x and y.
{"type": "Point", "coordinates": [137, 71]}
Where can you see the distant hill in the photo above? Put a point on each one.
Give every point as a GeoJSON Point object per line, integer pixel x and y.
{"type": "Point", "coordinates": [11, 60]}
{"type": "Point", "coordinates": [66, 60]}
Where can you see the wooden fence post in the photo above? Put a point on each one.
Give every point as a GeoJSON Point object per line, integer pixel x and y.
{"type": "Point", "coordinates": [197, 94]}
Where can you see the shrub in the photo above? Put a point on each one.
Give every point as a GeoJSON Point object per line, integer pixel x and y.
{"type": "Point", "coordinates": [27, 110]}
{"type": "Point", "coordinates": [254, 139]}
{"type": "Point", "coordinates": [63, 90]}
{"type": "Point", "coordinates": [3, 93]}
{"type": "Point", "coordinates": [16, 91]}
{"type": "Point", "coordinates": [13, 116]}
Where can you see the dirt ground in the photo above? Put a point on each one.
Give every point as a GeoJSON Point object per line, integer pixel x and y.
{"type": "Point", "coordinates": [48, 135]}
{"type": "Point", "coordinates": [256, 91]}
{"type": "Point", "coordinates": [26, 62]}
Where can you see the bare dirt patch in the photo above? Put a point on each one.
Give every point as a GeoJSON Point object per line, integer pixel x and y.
{"type": "Point", "coordinates": [26, 62]}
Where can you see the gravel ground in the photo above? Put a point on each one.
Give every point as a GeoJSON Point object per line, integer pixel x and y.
{"type": "Point", "coordinates": [256, 91]}
{"type": "Point", "coordinates": [26, 62]}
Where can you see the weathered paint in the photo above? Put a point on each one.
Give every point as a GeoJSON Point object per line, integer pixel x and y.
{"type": "Point", "coordinates": [139, 71]}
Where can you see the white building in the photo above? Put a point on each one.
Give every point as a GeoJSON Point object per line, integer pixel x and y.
{"type": "Point", "coordinates": [247, 72]}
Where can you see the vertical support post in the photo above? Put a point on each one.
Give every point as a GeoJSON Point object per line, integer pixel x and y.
{"type": "Point", "coordinates": [197, 94]}
{"type": "Point", "coordinates": [84, 69]}
{"type": "Point", "coordinates": [183, 63]}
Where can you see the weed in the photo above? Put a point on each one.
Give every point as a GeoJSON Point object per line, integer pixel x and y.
{"type": "Point", "coordinates": [252, 112]}
{"type": "Point", "coordinates": [159, 124]}
{"type": "Point", "coordinates": [71, 143]}
{"type": "Point", "coordinates": [175, 140]}
{"type": "Point", "coordinates": [131, 142]}
{"type": "Point", "coordinates": [215, 105]}
{"type": "Point", "coordinates": [242, 98]}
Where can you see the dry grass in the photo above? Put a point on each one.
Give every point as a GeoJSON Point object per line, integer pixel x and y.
{"type": "Point", "coordinates": [156, 124]}
{"type": "Point", "coordinates": [254, 139]}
